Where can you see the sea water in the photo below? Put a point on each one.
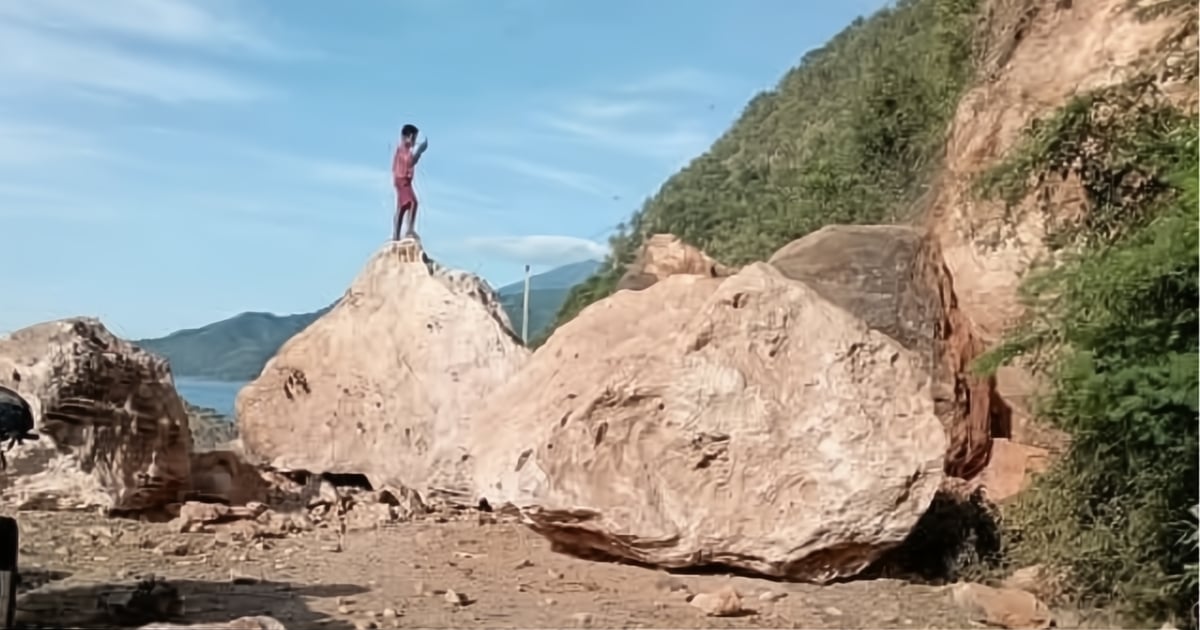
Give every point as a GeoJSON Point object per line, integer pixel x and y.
{"type": "Point", "coordinates": [217, 395]}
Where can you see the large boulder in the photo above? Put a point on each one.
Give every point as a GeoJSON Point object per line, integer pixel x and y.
{"type": "Point", "coordinates": [747, 422]}
{"type": "Point", "coordinates": [380, 382]}
{"type": "Point", "coordinates": [893, 278]}
{"type": "Point", "coordinates": [664, 255]}
{"type": "Point", "coordinates": [114, 433]}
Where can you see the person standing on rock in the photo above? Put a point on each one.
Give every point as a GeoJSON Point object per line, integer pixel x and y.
{"type": "Point", "coordinates": [404, 166]}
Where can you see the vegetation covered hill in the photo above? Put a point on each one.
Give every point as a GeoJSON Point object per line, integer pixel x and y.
{"type": "Point", "coordinates": [848, 136]}
{"type": "Point", "coordinates": [236, 349]}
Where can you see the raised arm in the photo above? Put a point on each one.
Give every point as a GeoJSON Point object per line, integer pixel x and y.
{"type": "Point", "coordinates": [420, 149]}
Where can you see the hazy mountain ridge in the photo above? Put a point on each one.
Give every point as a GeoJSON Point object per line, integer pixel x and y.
{"type": "Point", "coordinates": [237, 348]}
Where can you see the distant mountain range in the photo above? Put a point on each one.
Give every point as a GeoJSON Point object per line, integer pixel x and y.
{"type": "Point", "coordinates": [236, 349]}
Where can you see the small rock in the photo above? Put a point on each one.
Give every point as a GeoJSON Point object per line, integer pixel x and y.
{"type": "Point", "coordinates": [365, 624]}
{"type": "Point", "coordinates": [455, 598]}
{"type": "Point", "coordinates": [241, 578]}
{"type": "Point", "coordinates": [390, 613]}
{"type": "Point", "coordinates": [725, 602]}
{"type": "Point", "coordinates": [831, 611]}
{"type": "Point", "coordinates": [583, 619]}
{"type": "Point", "coordinates": [771, 596]}
{"type": "Point", "coordinates": [524, 564]}
{"type": "Point", "coordinates": [1002, 607]}
{"type": "Point", "coordinates": [554, 575]}
{"type": "Point", "coordinates": [549, 601]}
{"type": "Point", "coordinates": [1036, 579]}
{"type": "Point", "coordinates": [670, 584]}
{"type": "Point", "coordinates": [419, 588]}
{"type": "Point", "coordinates": [172, 548]}
{"type": "Point", "coordinates": [343, 609]}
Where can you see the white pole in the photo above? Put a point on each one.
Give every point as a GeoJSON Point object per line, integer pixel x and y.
{"type": "Point", "coordinates": [525, 310]}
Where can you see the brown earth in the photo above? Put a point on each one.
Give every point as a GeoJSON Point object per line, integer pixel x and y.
{"type": "Point", "coordinates": [398, 576]}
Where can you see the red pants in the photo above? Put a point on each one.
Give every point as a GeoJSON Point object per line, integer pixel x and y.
{"type": "Point", "coordinates": [406, 197]}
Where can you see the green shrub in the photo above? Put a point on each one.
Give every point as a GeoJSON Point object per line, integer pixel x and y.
{"type": "Point", "coordinates": [1117, 325]}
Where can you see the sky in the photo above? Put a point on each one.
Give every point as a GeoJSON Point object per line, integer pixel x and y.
{"type": "Point", "coordinates": [169, 163]}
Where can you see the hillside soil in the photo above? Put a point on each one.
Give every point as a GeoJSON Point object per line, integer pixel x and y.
{"type": "Point", "coordinates": [78, 568]}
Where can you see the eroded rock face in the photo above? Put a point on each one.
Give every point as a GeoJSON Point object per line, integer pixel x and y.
{"type": "Point", "coordinates": [114, 433]}
{"type": "Point", "coordinates": [665, 255]}
{"type": "Point", "coordinates": [384, 379]}
{"type": "Point", "coordinates": [893, 278]}
{"type": "Point", "coordinates": [747, 421]}
{"type": "Point", "coordinates": [988, 246]}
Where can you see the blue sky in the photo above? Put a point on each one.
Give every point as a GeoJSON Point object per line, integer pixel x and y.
{"type": "Point", "coordinates": [169, 163]}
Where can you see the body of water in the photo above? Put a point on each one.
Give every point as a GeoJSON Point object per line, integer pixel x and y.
{"type": "Point", "coordinates": [217, 395]}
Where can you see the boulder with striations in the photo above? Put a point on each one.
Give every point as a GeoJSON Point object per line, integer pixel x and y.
{"type": "Point", "coordinates": [893, 278]}
{"type": "Point", "coordinates": [114, 434]}
{"type": "Point", "coordinates": [664, 255]}
{"type": "Point", "coordinates": [378, 384]}
{"type": "Point", "coordinates": [747, 421]}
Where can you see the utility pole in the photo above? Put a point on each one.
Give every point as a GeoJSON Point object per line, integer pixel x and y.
{"type": "Point", "coordinates": [525, 310]}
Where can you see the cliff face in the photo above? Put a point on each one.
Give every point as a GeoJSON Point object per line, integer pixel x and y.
{"type": "Point", "coordinates": [1037, 55]}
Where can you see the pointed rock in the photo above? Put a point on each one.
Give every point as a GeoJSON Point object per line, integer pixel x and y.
{"type": "Point", "coordinates": [385, 378]}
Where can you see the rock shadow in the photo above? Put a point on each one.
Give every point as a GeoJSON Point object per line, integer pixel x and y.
{"type": "Point", "coordinates": [129, 604]}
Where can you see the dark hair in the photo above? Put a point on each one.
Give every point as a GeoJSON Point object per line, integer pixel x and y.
{"type": "Point", "coordinates": [409, 130]}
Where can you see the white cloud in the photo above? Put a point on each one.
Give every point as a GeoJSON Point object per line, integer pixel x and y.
{"type": "Point", "coordinates": [130, 49]}
{"type": "Point", "coordinates": [652, 117]}
{"type": "Point", "coordinates": [611, 109]}
{"type": "Point", "coordinates": [179, 22]}
{"type": "Point", "coordinates": [550, 250]}
{"type": "Point", "coordinates": [667, 141]}
{"type": "Point", "coordinates": [574, 180]}
{"type": "Point", "coordinates": [24, 144]}
{"type": "Point", "coordinates": [680, 80]}
{"type": "Point", "coordinates": [47, 60]}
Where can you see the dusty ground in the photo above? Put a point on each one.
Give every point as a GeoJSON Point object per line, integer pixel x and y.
{"type": "Point", "coordinates": [397, 576]}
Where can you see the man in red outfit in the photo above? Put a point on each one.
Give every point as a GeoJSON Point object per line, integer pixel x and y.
{"type": "Point", "coordinates": [403, 167]}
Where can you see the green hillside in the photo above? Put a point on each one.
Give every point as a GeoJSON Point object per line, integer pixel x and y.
{"type": "Point", "coordinates": [543, 307]}
{"type": "Point", "coordinates": [848, 136]}
{"type": "Point", "coordinates": [547, 292]}
{"type": "Point", "coordinates": [234, 349]}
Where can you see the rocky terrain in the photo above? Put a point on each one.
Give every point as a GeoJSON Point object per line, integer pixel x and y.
{"type": "Point", "coordinates": [83, 570]}
{"type": "Point", "coordinates": [393, 469]}
{"type": "Point", "coordinates": [798, 441]}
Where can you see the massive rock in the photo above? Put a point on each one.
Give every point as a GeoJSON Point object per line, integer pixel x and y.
{"type": "Point", "coordinates": [747, 422]}
{"type": "Point", "coordinates": [114, 433]}
{"type": "Point", "coordinates": [893, 278]}
{"type": "Point", "coordinates": [664, 255]}
{"type": "Point", "coordinates": [380, 382]}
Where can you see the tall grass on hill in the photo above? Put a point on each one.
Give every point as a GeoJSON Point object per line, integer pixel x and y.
{"type": "Point", "coordinates": [848, 136]}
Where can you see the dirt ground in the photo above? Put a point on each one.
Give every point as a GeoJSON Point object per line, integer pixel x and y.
{"type": "Point", "coordinates": [76, 566]}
